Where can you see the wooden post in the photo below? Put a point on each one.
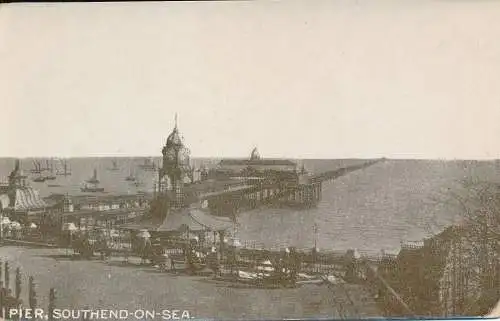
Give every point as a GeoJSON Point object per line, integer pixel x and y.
{"type": "Point", "coordinates": [7, 276]}
{"type": "Point", "coordinates": [2, 291]}
{"type": "Point", "coordinates": [18, 283]}
{"type": "Point", "coordinates": [221, 237]}
{"type": "Point", "coordinates": [32, 293]}
{"type": "Point", "coordinates": [52, 300]}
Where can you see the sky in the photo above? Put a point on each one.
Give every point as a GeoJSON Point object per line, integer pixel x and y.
{"type": "Point", "coordinates": [298, 79]}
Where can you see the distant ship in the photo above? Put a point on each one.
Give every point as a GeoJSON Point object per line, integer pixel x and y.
{"type": "Point", "coordinates": [65, 171]}
{"type": "Point", "coordinates": [131, 177]}
{"type": "Point", "coordinates": [39, 179]}
{"type": "Point", "coordinates": [37, 167]}
{"type": "Point", "coordinates": [50, 169]}
{"type": "Point", "coordinates": [115, 166]}
{"type": "Point", "coordinates": [93, 179]}
{"type": "Point", "coordinates": [148, 165]}
{"type": "Point", "coordinates": [91, 184]}
{"type": "Point", "coordinates": [92, 188]}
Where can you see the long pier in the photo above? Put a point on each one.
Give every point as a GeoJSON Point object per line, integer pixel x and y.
{"type": "Point", "coordinates": [333, 174]}
{"type": "Point", "coordinates": [304, 191]}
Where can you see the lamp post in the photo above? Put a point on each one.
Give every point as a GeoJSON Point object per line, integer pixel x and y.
{"type": "Point", "coordinates": [315, 229]}
{"type": "Point", "coordinates": [315, 249]}
{"type": "Point", "coordinates": [1, 225]}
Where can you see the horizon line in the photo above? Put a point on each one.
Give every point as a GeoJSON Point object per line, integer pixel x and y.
{"type": "Point", "coordinates": [268, 158]}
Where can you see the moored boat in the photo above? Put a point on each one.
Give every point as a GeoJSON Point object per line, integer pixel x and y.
{"type": "Point", "coordinates": [91, 188]}
{"type": "Point", "coordinates": [39, 179]}
{"type": "Point", "coordinates": [65, 171]}
{"type": "Point", "coordinates": [115, 166]}
{"type": "Point", "coordinates": [131, 177]}
{"type": "Point", "coordinates": [91, 185]}
{"type": "Point", "coordinates": [148, 165]}
{"type": "Point", "coordinates": [93, 179]}
{"type": "Point", "coordinates": [50, 168]}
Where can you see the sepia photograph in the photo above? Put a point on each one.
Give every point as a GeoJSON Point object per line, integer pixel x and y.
{"type": "Point", "coordinates": [249, 160]}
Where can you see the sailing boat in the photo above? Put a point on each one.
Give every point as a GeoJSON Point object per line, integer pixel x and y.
{"type": "Point", "coordinates": [91, 184]}
{"type": "Point", "coordinates": [50, 169]}
{"type": "Point", "coordinates": [37, 167]}
{"type": "Point", "coordinates": [93, 179]}
{"type": "Point", "coordinates": [131, 177]}
{"type": "Point", "coordinates": [38, 170]}
{"type": "Point", "coordinates": [149, 165]}
{"type": "Point", "coordinates": [115, 166]}
{"type": "Point", "coordinates": [137, 182]}
{"type": "Point", "coordinates": [66, 170]}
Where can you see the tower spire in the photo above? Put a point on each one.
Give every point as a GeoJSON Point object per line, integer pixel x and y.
{"type": "Point", "coordinates": [175, 120]}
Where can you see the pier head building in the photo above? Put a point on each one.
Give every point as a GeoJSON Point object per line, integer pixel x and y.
{"type": "Point", "coordinates": [256, 181]}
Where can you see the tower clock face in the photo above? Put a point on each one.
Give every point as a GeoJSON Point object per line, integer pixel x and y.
{"type": "Point", "coordinates": [170, 155]}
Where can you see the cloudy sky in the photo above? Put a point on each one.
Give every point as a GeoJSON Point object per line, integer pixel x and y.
{"type": "Point", "coordinates": [315, 79]}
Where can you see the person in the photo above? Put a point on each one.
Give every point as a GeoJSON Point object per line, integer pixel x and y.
{"type": "Point", "coordinates": [172, 264]}
{"type": "Point", "coordinates": [294, 265]}
{"type": "Point", "coordinates": [212, 260]}
{"type": "Point", "coordinates": [189, 259]}
{"type": "Point", "coordinates": [146, 251]}
{"type": "Point", "coordinates": [164, 258]}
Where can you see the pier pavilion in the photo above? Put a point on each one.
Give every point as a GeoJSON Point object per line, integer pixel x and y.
{"type": "Point", "coordinates": [258, 181]}
{"type": "Point", "coordinates": [20, 201]}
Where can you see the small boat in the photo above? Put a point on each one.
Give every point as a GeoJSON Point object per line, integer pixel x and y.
{"type": "Point", "coordinates": [92, 188]}
{"type": "Point", "coordinates": [54, 185]}
{"type": "Point", "coordinates": [115, 166]}
{"type": "Point", "coordinates": [66, 171]}
{"type": "Point", "coordinates": [93, 179]}
{"type": "Point", "coordinates": [91, 184]}
{"type": "Point", "coordinates": [131, 177]}
{"type": "Point", "coordinates": [148, 165]}
{"type": "Point", "coordinates": [39, 179]}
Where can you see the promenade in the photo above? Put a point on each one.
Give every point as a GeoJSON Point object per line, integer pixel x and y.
{"type": "Point", "coordinates": [115, 285]}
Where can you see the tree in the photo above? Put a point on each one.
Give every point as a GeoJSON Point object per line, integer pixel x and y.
{"type": "Point", "coordinates": [476, 244]}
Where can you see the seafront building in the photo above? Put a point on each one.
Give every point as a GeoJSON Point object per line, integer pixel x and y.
{"type": "Point", "coordinates": [22, 204]}
{"type": "Point", "coordinates": [18, 199]}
